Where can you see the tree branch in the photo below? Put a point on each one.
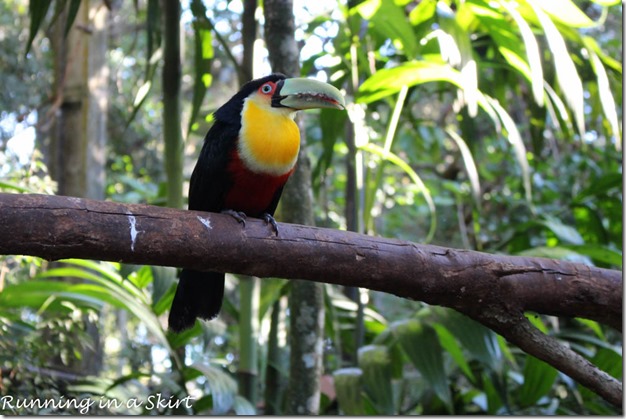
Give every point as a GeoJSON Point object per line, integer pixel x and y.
{"type": "Point", "coordinates": [493, 289]}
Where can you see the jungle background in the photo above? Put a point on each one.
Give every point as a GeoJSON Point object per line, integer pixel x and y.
{"type": "Point", "coordinates": [492, 126]}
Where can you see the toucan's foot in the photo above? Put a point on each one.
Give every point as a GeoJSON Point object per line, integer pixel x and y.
{"type": "Point", "coordinates": [237, 215]}
{"type": "Point", "coordinates": [270, 220]}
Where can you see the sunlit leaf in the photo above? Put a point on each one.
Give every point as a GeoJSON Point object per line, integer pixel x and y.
{"type": "Point", "coordinates": [389, 20]}
{"type": "Point", "coordinates": [424, 11]}
{"type": "Point", "coordinates": [32, 293]}
{"type": "Point", "coordinates": [566, 12]}
{"type": "Point", "coordinates": [516, 141]}
{"type": "Point", "coordinates": [567, 75]}
{"type": "Point", "coordinates": [593, 325]}
{"type": "Point", "coordinates": [554, 103]}
{"type": "Point", "coordinates": [532, 52]}
{"type": "Point", "coordinates": [606, 98]}
{"type": "Point", "coordinates": [387, 82]}
{"type": "Point", "coordinates": [461, 49]}
{"type": "Point", "coordinates": [470, 165]}
{"type": "Point", "coordinates": [607, 2]}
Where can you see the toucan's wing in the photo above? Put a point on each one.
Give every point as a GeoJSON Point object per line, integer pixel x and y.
{"type": "Point", "coordinates": [209, 181]}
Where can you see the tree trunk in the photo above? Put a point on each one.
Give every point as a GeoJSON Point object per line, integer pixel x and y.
{"type": "Point", "coordinates": [306, 301]}
{"type": "Point", "coordinates": [79, 136]}
{"type": "Point", "coordinates": [171, 82]}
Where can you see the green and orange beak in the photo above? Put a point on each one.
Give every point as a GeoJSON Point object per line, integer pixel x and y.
{"type": "Point", "coordinates": [301, 93]}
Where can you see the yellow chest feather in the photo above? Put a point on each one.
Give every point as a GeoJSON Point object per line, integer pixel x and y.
{"type": "Point", "coordinates": [269, 139]}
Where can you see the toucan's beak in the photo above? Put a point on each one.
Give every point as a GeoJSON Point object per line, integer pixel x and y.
{"type": "Point", "coordinates": [300, 93]}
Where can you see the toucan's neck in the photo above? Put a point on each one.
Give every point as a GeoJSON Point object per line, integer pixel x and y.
{"type": "Point", "coordinates": [269, 139]}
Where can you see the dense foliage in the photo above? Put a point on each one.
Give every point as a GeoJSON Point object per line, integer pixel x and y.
{"type": "Point", "coordinates": [483, 125]}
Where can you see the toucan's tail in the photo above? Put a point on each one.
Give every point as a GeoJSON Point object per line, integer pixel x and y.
{"type": "Point", "coordinates": [199, 295]}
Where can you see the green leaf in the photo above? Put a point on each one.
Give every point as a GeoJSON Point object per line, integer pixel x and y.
{"type": "Point", "coordinates": [610, 361]}
{"type": "Point", "coordinates": [538, 380]}
{"type": "Point", "coordinates": [32, 293]}
{"type": "Point", "coordinates": [567, 75]}
{"type": "Point", "coordinates": [515, 139]}
{"type": "Point", "coordinates": [456, 48]}
{"type": "Point", "coordinates": [425, 10]}
{"type": "Point", "coordinates": [243, 407]}
{"type": "Point", "coordinates": [115, 291]}
{"type": "Point", "coordinates": [375, 149]}
{"type": "Point", "coordinates": [223, 387]}
{"type": "Point", "coordinates": [331, 123]}
{"type": "Point", "coordinates": [178, 340]}
{"type": "Point", "coordinates": [565, 233]}
{"type": "Point", "coordinates": [271, 290]}
{"type": "Point", "coordinates": [203, 56]}
{"type": "Point", "coordinates": [599, 253]}
{"type": "Point", "coordinates": [37, 10]}
{"type": "Point", "coordinates": [566, 12]}
{"type": "Point", "coordinates": [375, 362]}
{"type": "Point", "coordinates": [388, 19]}
{"type": "Point", "coordinates": [163, 304]}
{"type": "Point", "coordinates": [451, 346]}
{"type": "Point", "coordinates": [595, 326]}
{"type": "Point", "coordinates": [481, 342]}
{"type": "Point", "coordinates": [5, 185]}
{"type": "Point", "coordinates": [494, 400]}
{"type": "Point", "coordinates": [421, 344]}
{"type": "Point", "coordinates": [606, 2]}
{"type": "Point", "coordinates": [71, 15]}
{"type": "Point", "coordinates": [389, 81]}
{"type": "Point", "coordinates": [601, 186]}
{"type": "Point", "coordinates": [469, 164]}
{"type": "Point", "coordinates": [606, 97]}
{"type": "Point", "coordinates": [512, 52]}
{"type": "Point", "coordinates": [555, 252]}
{"type": "Point", "coordinates": [348, 387]}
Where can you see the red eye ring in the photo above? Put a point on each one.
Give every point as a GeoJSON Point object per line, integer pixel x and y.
{"type": "Point", "coordinates": [267, 88]}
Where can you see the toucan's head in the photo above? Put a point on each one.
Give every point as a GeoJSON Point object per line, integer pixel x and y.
{"type": "Point", "coordinates": [282, 93]}
{"type": "Point", "coordinates": [262, 114]}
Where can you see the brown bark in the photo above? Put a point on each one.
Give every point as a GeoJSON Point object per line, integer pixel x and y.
{"type": "Point", "coordinates": [493, 289]}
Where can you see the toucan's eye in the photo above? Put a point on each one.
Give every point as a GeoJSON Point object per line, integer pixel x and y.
{"type": "Point", "coordinates": [267, 88]}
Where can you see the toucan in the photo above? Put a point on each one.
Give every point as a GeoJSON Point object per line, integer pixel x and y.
{"type": "Point", "coordinates": [247, 156]}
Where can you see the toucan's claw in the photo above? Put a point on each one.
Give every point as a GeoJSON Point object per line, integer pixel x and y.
{"type": "Point", "coordinates": [270, 220]}
{"type": "Point", "coordinates": [237, 215]}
